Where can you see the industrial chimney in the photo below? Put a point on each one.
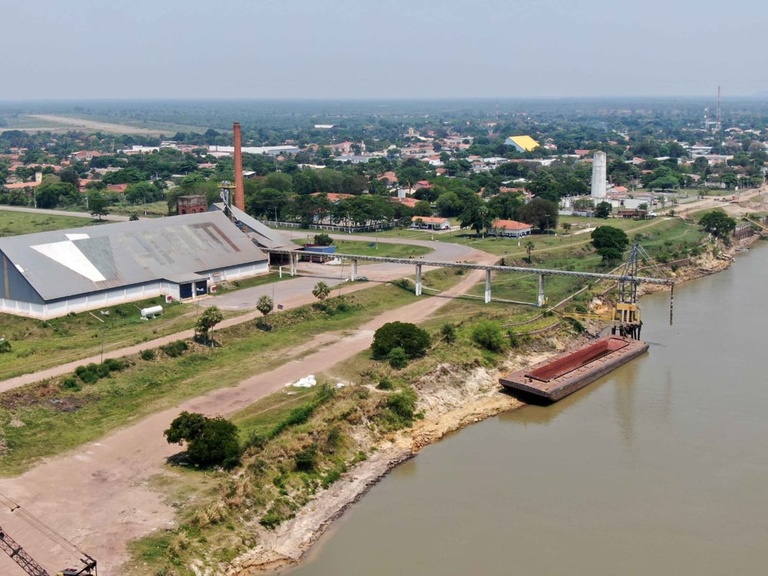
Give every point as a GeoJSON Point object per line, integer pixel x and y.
{"type": "Point", "coordinates": [239, 188]}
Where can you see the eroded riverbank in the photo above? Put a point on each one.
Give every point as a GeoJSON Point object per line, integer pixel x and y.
{"type": "Point", "coordinates": [450, 400]}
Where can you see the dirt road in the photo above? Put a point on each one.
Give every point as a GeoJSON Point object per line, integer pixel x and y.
{"type": "Point", "coordinates": [99, 496]}
{"type": "Point", "coordinates": [98, 126]}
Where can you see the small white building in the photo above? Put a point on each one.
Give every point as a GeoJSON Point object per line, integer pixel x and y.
{"type": "Point", "coordinates": [510, 229]}
{"type": "Point", "coordinates": [430, 223]}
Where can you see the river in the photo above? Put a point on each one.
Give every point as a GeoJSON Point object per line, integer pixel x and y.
{"type": "Point", "coordinates": [659, 468]}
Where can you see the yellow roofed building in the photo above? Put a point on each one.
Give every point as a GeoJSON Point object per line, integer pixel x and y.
{"type": "Point", "coordinates": [522, 143]}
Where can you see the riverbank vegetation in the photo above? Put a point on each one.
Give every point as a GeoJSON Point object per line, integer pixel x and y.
{"type": "Point", "coordinates": [295, 443]}
{"type": "Point", "coordinates": [299, 442]}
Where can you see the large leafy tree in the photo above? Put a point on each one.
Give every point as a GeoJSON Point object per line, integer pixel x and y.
{"type": "Point", "coordinates": [97, 204]}
{"type": "Point", "coordinates": [718, 223]}
{"type": "Point", "coordinates": [269, 203]}
{"type": "Point", "coordinates": [210, 441]}
{"type": "Point", "coordinates": [506, 205]}
{"type": "Point", "coordinates": [141, 192]}
{"type": "Point", "coordinates": [609, 242]}
{"type": "Point", "coordinates": [412, 339]}
{"type": "Point", "coordinates": [545, 186]}
{"type": "Point", "coordinates": [603, 210]}
{"type": "Point", "coordinates": [539, 213]}
{"type": "Point", "coordinates": [410, 172]}
{"type": "Point", "coordinates": [52, 194]}
{"type": "Point", "coordinates": [449, 204]}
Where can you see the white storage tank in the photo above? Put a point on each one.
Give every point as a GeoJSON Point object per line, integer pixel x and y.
{"type": "Point", "coordinates": [151, 312]}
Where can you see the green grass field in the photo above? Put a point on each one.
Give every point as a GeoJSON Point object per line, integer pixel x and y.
{"type": "Point", "coordinates": [56, 419]}
{"type": "Point", "coordinates": [16, 223]}
{"type": "Point", "coordinates": [385, 250]}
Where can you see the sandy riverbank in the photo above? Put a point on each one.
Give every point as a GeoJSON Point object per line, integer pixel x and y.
{"type": "Point", "coordinates": [450, 401]}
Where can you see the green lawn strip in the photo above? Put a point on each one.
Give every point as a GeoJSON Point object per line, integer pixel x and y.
{"type": "Point", "coordinates": [385, 250]}
{"type": "Point", "coordinates": [666, 241]}
{"type": "Point", "coordinates": [262, 416]}
{"type": "Point", "coordinates": [37, 344]}
{"type": "Point", "coordinates": [373, 248]}
{"type": "Point", "coordinates": [441, 279]}
{"type": "Point", "coordinates": [151, 210]}
{"type": "Point", "coordinates": [250, 283]}
{"type": "Point", "coordinates": [40, 344]}
{"type": "Point", "coordinates": [53, 419]}
{"type": "Point", "coordinates": [17, 223]}
{"type": "Point", "coordinates": [509, 247]}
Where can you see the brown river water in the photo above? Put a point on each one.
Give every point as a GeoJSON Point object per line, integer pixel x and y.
{"type": "Point", "coordinates": [658, 468]}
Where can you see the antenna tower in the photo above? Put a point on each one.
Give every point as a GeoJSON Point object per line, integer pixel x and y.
{"type": "Point", "coordinates": [718, 120]}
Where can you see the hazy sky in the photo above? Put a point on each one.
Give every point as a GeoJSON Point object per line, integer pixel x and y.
{"type": "Point", "coordinates": [77, 49]}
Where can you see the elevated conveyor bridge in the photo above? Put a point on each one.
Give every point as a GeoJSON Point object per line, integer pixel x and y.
{"type": "Point", "coordinates": [625, 280]}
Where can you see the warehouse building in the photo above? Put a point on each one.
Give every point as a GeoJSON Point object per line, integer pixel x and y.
{"type": "Point", "coordinates": [51, 274]}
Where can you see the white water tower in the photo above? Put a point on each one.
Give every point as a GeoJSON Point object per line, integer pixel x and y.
{"type": "Point", "coordinates": [599, 169]}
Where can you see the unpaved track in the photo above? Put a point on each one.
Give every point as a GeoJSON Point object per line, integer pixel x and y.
{"type": "Point", "coordinates": [97, 125]}
{"type": "Point", "coordinates": [99, 497]}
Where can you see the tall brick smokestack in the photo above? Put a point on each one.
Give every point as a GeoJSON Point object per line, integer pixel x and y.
{"type": "Point", "coordinates": [239, 188]}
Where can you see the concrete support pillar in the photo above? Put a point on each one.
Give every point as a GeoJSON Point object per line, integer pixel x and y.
{"type": "Point", "coordinates": [487, 286]}
{"type": "Point", "coordinates": [294, 263]}
{"type": "Point", "coordinates": [354, 270]}
{"type": "Point", "coordinates": [418, 279]}
{"type": "Point", "coordinates": [541, 300]}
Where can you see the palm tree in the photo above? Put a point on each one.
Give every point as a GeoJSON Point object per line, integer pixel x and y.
{"type": "Point", "coordinates": [321, 291]}
{"type": "Point", "coordinates": [265, 306]}
{"type": "Point", "coordinates": [529, 247]}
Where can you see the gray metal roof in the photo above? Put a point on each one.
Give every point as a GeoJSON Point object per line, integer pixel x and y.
{"type": "Point", "coordinates": [264, 235]}
{"type": "Point", "coordinates": [67, 263]}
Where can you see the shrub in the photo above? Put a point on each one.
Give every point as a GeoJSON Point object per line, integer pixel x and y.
{"type": "Point", "coordinates": [489, 335]}
{"type": "Point", "coordinates": [413, 340]}
{"type": "Point", "coordinates": [147, 355]}
{"type": "Point", "coordinates": [402, 405]}
{"type": "Point", "coordinates": [296, 417]}
{"type": "Point", "coordinates": [302, 414]}
{"type": "Point", "coordinates": [5, 346]}
{"type": "Point", "coordinates": [577, 326]}
{"type": "Point", "coordinates": [70, 383]}
{"type": "Point", "coordinates": [87, 374]}
{"type": "Point", "coordinates": [385, 384]}
{"type": "Point", "coordinates": [175, 349]}
{"type": "Point", "coordinates": [448, 332]}
{"type": "Point", "coordinates": [323, 239]}
{"type": "Point", "coordinates": [331, 477]}
{"type": "Point", "coordinates": [404, 284]}
{"type": "Point", "coordinates": [306, 459]}
{"type": "Point", "coordinates": [115, 365]}
{"type": "Point", "coordinates": [397, 358]}
{"type": "Point", "coordinates": [335, 439]}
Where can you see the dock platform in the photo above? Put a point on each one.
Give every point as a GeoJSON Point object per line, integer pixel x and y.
{"type": "Point", "coordinates": [562, 375]}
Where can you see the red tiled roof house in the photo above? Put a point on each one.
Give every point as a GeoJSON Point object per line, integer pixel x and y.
{"type": "Point", "coordinates": [510, 229]}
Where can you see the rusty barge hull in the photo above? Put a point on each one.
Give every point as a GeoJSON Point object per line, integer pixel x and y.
{"type": "Point", "coordinates": [562, 375]}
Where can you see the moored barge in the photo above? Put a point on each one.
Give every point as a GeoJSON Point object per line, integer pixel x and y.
{"type": "Point", "coordinates": [562, 375]}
